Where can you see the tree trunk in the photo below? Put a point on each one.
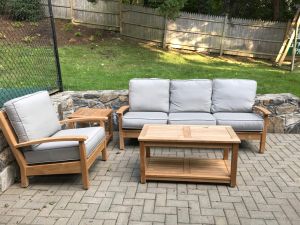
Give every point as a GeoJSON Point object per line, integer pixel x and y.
{"type": "Point", "coordinates": [225, 6]}
{"type": "Point", "coordinates": [276, 8]}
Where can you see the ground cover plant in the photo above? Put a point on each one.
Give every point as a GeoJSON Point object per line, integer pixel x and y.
{"type": "Point", "coordinates": [99, 60]}
{"type": "Point", "coordinates": [111, 63]}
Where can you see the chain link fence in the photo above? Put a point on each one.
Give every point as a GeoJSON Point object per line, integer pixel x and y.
{"type": "Point", "coordinates": [28, 50]}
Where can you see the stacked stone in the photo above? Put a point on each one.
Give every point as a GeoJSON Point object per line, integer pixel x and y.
{"type": "Point", "coordinates": [7, 167]}
{"type": "Point", "coordinates": [285, 109]}
{"type": "Point", "coordinates": [67, 102]}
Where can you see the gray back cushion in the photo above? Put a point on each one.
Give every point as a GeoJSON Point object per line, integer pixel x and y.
{"type": "Point", "coordinates": [149, 95]}
{"type": "Point", "coordinates": [32, 116]}
{"type": "Point", "coordinates": [233, 95]}
{"type": "Point", "coordinates": [190, 95]}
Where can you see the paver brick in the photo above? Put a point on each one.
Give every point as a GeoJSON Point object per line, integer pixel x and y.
{"type": "Point", "coordinates": [149, 206]}
{"type": "Point", "coordinates": [267, 192]}
{"type": "Point", "coordinates": [136, 213]}
{"type": "Point", "coordinates": [151, 217]}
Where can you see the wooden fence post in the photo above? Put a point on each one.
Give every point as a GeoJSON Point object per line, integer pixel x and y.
{"type": "Point", "coordinates": [120, 17]}
{"type": "Point", "coordinates": [164, 41]}
{"type": "Point", "coordinates": [223, 35]}
{"type": "Point", "coordinates": [72, 12]}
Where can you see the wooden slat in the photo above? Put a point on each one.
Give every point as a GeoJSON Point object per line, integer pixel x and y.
{"type": "Point", "coordinates": [187, 145]}
{"type": "Point", "coordinates": [189, 133]}
{"type": "Point", "coordinates": [131, 133]}
{"type": "Point", "coordinates": [47, 169]}
{"type": "Point", "coordinates": [187, 168]}
{"type": "Point", "coordinates": [249, 135]}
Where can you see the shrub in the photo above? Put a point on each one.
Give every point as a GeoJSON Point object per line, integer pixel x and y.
{"type": "Point", "coordinates": [25, 9]}
{"type": "Point", "coordinates": [78, 34]}
{"type": "Point", "coordinates": [68, 27]}
{"type": "Point", "coordinates": [2, 6]}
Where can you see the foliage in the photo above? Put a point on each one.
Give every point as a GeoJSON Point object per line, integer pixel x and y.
{"type": "Point", "coordinates": [98, 33]}
{"type": "Point", "coordinates": [30, 10]}
{"type": "Point", "coordinates": [171, 8]}
{"type": "Point", "coordinates": [68, 27]}
{"type": "Point", "coordinates": [254, 9]}
{"type": "Point", "coordinates": [78, 34]}
{"type": "Point", "coordinates": [92, 1]}
{"type": "Point", "coordinates": [2, 6]}
{"type": "Point", "coordinates": [111, 63]}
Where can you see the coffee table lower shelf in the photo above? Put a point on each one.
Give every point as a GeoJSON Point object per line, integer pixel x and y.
{"type": "Point", "coordinates": [188, 169]}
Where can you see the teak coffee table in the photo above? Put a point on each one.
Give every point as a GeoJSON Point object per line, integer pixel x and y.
{"type": "Point", "coordinates": [89, 112]}
{"type": "Point", "coordinates": [189, 169]}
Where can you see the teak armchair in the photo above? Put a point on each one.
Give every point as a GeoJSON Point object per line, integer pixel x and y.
{"type": "Point", "coordinates": [31, 166]}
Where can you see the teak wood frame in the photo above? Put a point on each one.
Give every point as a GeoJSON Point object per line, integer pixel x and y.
{"type": "Point", "coordinates": [251, 135]}
{"type": "Point", "coordinates": [70, 167]}
{"type": "Point", "coordinates": [209, 178]}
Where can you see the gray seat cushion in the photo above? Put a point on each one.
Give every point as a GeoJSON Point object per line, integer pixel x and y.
{"type": "Point", "coordinates": [192, 118]}
{"type": "Point", "coordinates": [233, 95]}
{"type": "Point", "coordinates": [67, 150]}
{"type": "Point", "coordinates": [32, 116]}
{"type": "Point", "coordinates": [136, 120]}
{"type": "Point", "coordinates": [240, 121]}
{"type": "Point", "coordinates": [149, 95]}
{"type": "Point", "coordinates": [190, 95]}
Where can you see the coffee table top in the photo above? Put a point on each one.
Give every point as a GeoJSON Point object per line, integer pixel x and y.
{"type": "Point", "coordinates": [88, 112]}
{"type": "Point", "coordinates": [188, 133]}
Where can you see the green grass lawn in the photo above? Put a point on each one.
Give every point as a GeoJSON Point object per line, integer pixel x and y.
{"type": "Point", "coordinates": [112, 63]}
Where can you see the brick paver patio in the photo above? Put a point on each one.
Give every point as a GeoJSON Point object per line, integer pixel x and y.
{"type": "Point", "coordinates": [268, 192]}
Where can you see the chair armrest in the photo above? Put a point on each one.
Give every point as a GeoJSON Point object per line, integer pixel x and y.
{"type": "Point", "coordinates": [52, 139]}
{"type": "Point", "coordinates": [84, 120]}
{"type": "Point", "coordinates": [122, 109]}
{"type": "Point", "coordinates": [263, 110]}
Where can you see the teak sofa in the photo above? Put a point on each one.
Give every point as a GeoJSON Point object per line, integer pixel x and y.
{"type": "Point", "coordinates": [42, 147]}
{"type": "Point", "coordinates": [198, 102]}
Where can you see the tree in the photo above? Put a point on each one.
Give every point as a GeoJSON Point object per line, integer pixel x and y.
{"type": "Point", "coordinates": [171, 8]}
{"type": "Point", "coordinates": [276, 6]}
{"type": "Point", "coordinates": [281, 10]}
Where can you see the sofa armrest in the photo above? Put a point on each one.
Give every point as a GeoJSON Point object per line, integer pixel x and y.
{"type": "Point", "coordinates": [52, 139]}
{"type": "Point", "coordinates": [122, 110]}
{"type": "Point", "coordinates": [263, 110]}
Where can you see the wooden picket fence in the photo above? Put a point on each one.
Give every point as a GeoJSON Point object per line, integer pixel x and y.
{"type": "Point", "coordinates": [104, 14]}
{"type": "Point", "coordinates": [198, 32]}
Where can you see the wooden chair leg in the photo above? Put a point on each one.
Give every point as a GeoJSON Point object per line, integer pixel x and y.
{"type": "Point", "coordinates": [24, 179]}
{"type": "Point", "coordinates": [85, 179]}
{"type": "Point", "coordinates": [104, 154]}
{"type": "Point", "coordinates": [263, 136]}
{"type": "Point", "coordinates": [84, 167]}
{"type": "Point", "coordinates": [262, 142]}
{"type": "Point", "coordinates": [121, 137]}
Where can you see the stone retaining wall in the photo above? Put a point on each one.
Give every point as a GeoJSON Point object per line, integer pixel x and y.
{"type": "Point", "coordinates": [285, 108]}
{"type": "Point", "coordinates": [285, 117]}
